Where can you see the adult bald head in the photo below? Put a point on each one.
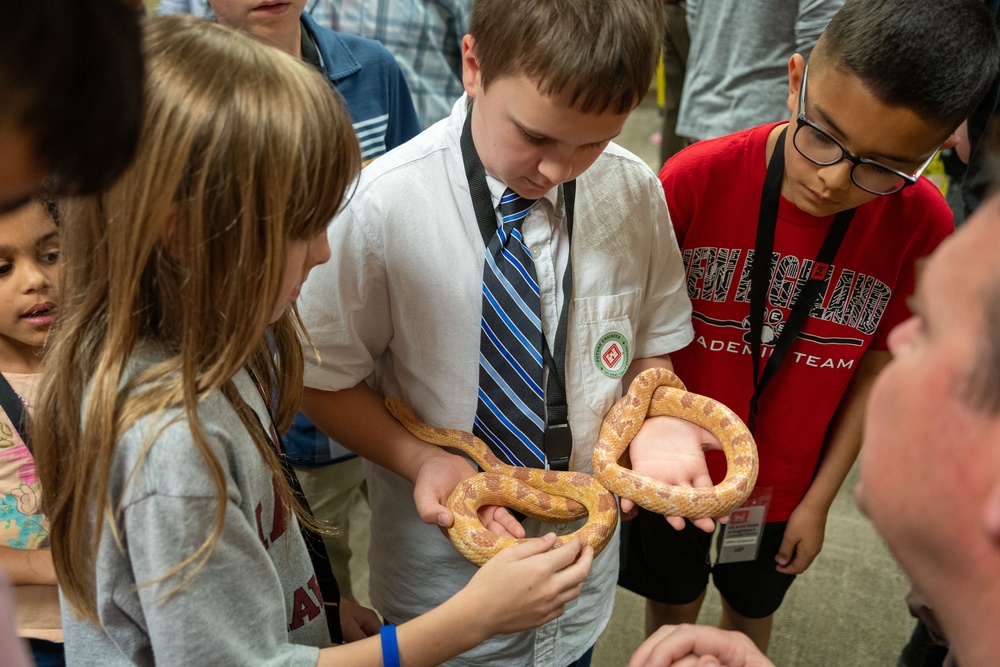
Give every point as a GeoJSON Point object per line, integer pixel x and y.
{"type": "Point", "coordinates": [930, 463]}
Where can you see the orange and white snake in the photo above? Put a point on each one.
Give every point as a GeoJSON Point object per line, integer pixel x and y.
{"type": "Point", "coordinates": [553, 496]}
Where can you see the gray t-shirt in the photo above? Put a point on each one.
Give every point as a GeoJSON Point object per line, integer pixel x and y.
{"type": "Point", "coordinates": [256, 601]}
{"type": "Point", "coordinates": [737, 66]}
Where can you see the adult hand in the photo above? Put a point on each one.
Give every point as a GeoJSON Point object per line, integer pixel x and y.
{"type": "Point", "coordinates": [803, 539]}
{"type": "Point", "coordinates": [672, 450]}
{"type": "Point", "coordinates": [698, 646]}
{"type": "Point", "coordinates": [357, 622]}
{"type": "Point", "coordinates": [437, 477]}
{"type": "Point", "coordinates": [528, 585]}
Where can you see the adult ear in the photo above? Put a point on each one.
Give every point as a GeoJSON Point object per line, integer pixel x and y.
{"type": "Point", "coordinates": [991, 516]}
{"type": "Point", "coordinates": [961, 142]}
{"type": "Point", "coordinates": [470, 67]}
{"type": "Point", "coordinates": [796, 70]}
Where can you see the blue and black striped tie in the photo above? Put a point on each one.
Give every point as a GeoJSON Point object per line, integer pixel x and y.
{"type": "Point", "coordinates": [510, 416]}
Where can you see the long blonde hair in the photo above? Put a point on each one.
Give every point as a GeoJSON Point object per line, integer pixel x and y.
{"type": "Point", "coordinates": [242, 147]}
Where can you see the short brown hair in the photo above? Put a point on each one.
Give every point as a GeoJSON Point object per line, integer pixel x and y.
{"type": "Point", "coordinates": [602, 52]}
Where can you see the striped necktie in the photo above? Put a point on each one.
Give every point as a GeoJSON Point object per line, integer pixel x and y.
{"type": "Point", "coordinates": [510, 416]}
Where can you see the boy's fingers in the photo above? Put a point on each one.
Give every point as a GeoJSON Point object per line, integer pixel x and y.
{"type": "Point", "coordinates": [707, 524]}
{"type": "Point", "coordinates": [676, 522]}
{"type": "Point", "coordinates": [785, 552]}
{"type": "Point", "coordinates": [431, 510]}
{"type": "Point", "coordinates": [506, 523]}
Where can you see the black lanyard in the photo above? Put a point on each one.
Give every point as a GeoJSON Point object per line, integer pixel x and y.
{"type": "Point", "coordinates": [328, 586]}
{"type": "Point", "coordinates": [14, 408]}
{"type": "Point", "coordinates": [761, 272]}
{"type": "Point", "coordinates": [558, 440]}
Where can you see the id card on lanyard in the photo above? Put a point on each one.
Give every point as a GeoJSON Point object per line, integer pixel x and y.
{"type": "Point", "coordinates": [741, 539]}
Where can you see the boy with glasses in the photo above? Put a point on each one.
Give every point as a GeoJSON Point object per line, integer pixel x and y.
{"type": "Point", "coordinates": [800, 242]}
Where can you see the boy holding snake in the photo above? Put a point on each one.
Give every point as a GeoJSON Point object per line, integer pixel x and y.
{"type": "Point", "coordinates": [399, 311]}
{"type": "Point", "coordinates": [834, 206]}
{"type": "Point", "coordinates": [930, 467]}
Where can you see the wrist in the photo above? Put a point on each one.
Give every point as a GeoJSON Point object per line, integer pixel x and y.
{"type": "Point", "coordinates": [417, 454]}
{"type": "Point", "coordinates": [815, 506]}
{"type": "Point", "coordinates": [465, 609]}
{"type": "Point", "coordinates": [430, 456]}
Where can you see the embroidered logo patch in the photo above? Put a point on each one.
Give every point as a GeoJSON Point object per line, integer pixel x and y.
{"type": "Point", "coordinates": [611, 354]}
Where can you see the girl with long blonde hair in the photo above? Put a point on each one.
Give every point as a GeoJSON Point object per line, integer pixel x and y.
{"type": "Point", "coordinates": [175, 532]}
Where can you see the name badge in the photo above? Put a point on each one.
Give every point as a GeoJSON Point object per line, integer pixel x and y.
{"type": "Point", "coordinates": [740, 539]}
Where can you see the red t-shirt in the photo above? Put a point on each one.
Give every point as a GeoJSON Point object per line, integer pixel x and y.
{"type": "Point", "coordinates": [713, 190]}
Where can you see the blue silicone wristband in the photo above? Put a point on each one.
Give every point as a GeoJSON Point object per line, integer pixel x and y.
{"type": "Point", "coordinates": [390, 649]}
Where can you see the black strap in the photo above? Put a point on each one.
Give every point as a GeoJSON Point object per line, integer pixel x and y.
{"type": "Point", "coordinates": [558, 440]}
{"type": "Point", "coordinates": [761, 272]}
{"type": "Point", "coordinates": [328, 586]}
{"type": "Point", "coordinates": [14, 407]}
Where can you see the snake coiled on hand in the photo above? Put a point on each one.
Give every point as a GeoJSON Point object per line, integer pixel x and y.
{"type": "Point", "coordinates": [658, 392]}
{"type": "Point", "coordinates": [554, 496]}
{"type": "Point", "coordinates": [547, 495]}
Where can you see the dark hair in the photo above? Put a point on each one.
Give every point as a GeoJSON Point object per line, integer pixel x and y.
{"type": "Point", "coordinates": [71, 77]}
{"type": "Point", "coordinates": [51, 206]}
{"type": "Point", "coordinates": [602, 52]}
{"type": "Point", "coordinates": [935, 57]}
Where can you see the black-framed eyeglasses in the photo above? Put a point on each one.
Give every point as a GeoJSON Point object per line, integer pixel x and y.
{"type": "Point", "coordinates": [819, 147]}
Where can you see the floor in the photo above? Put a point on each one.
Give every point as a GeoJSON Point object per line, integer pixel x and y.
{"type": "Point", "coordinates": [641, 134]}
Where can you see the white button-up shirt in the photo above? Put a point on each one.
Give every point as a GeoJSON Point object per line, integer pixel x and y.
{"type": "Point", "coordinates": [400, 303]}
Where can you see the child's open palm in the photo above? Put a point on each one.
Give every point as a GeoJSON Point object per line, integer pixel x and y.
{"type": "Point", "coordinates": [672, 450]}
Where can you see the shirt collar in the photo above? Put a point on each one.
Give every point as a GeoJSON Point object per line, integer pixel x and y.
{"type": "Point", "coordinates": [310, 52]}
{"type": "Point", "coordinates": [496, 186]}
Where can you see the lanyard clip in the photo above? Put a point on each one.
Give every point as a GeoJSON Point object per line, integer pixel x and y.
{"type": "Point", "coordinates": [558, 445]}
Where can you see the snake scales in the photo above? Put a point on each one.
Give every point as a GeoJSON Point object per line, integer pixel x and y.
{"type": "Point", "coordinates": [554, 496]}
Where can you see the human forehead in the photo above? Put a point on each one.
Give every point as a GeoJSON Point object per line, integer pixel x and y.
{"type": "Point", "coordinates": [844, 105]}
{"type": "Point", "coordinates": [26, 225]}
{"type": "Point", "coordinates": [552, 116]}
{"type": "Point", "coordinates": [962, 273]}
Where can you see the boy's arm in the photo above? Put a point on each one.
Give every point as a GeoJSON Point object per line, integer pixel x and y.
{"type": "Point", "coordinates": [28, 566]}
{"type": "Point", "coordinates": [807, 524]}
{"type": "Point", "coordinates": [358, 419]}
{"type": "Point", "coordinates": [669, 449]}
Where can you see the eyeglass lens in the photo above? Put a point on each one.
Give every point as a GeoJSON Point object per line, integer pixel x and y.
{"type": "Point", "coordinates": [821, 148]}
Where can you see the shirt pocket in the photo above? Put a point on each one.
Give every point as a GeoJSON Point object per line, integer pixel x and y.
{"type": "Point", "coordinates": [606, 328]}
